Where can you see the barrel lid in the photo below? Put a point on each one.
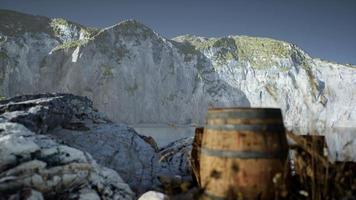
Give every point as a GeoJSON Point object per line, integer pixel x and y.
{"type": "Point", "coordinates": [242, 109]}
{"type": "Point", "coordinates": [244, 112]}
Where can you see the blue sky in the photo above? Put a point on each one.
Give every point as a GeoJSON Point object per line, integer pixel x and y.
{"type": "Point", "coordinates": [323, 28]}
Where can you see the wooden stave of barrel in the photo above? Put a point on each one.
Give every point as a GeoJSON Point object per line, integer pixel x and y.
{"type": "Point", "coordinates": [243, 149]}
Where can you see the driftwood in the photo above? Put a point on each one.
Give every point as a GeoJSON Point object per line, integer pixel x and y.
{"type": "Point", "coordinates": [313, 175]}
{"type": "Point", "coordinates": [195, 155]}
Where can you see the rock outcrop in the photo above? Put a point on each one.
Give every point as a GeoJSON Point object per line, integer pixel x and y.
{"type": "Point", "coordinates": [34, 164]}
{"type": "Point", "coordinates": [176, 157]}
{"type": "Point", "coordinates": [60, 141]}
{"type": "Point", "coordinates": [120, 148]}
{"type": "Point", "coordinates": [39, 168]}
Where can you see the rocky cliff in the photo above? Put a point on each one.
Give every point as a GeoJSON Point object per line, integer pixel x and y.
{"type": "Point", "coordinates": [137, 76]}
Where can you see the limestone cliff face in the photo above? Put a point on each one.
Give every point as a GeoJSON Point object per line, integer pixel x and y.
{"type": "Point", "coordinates": [25, 41]}
{"type": "Point", "coordinates": [137, 76]}
{"type": "Point", "coordinates": [312, 93]}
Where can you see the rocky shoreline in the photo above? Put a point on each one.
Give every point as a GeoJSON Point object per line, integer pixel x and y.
{"type": "Point", "coordinates": [59, 146]}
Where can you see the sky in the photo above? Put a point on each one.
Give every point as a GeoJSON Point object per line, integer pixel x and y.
{"type": "Point", "coordinates": [323, 28]}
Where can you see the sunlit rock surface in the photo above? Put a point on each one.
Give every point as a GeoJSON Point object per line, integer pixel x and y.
{"type": "Point", "coordinates": [51, 169]}
{"type": "Point", "coordinates": [153, 195]}
{"type": "Point", "coordinates": [312, 94]}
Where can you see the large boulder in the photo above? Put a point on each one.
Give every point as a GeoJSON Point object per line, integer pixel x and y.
{"type": "Point", "coordinates": [51, 169]}
{"type": "Point", "coordinates": [176, 157]}
{"type": "Point", "coordinates": [118, 147]}
{"type": "Point", "coordinates": [153, 195]}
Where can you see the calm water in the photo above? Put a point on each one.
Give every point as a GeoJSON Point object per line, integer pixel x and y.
{"type": "Point", "coordinates": [341, 141]}
{"type": "Point", "coordinates": [165, 134]}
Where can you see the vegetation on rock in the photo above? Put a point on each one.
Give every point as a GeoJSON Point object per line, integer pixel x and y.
{"type": "Point", "coordinates": [260, 53]}
{"type": "Point", "coordinates": [71, 44]}
{"type": "Point", "coordinates": [106, 71]}
{"type": "Point", "coordinates": [3, 55]}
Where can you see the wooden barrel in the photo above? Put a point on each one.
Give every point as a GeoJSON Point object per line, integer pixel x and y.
{"type": "Point", "coordinates": [243, 149]}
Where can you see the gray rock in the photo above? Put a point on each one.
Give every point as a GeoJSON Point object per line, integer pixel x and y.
{"type": "Point", "coordinates": [153, 195]}
{"type": "Point", "coordinates": [25, 194]}
{"type": "Point", "coordinates": [41, 113]}
{"type": "Point", "coordinates": [175, 157]}
{"type": "Point", "coordinates": [30, 159]}
{"type": "Point", "coordinates": [117, 147]}
{"type": "Point", "coordinates": [35, 161]}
